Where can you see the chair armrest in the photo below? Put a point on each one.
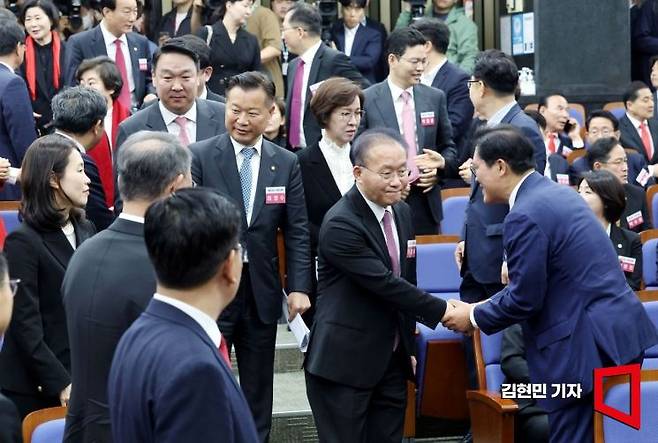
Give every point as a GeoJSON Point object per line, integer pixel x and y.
{"type": "Point", "coordinates": [492, 417]}
{"type": "Point", "coordinates": [492, 400]}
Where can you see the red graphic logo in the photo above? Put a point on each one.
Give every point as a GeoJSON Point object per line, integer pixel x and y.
{"type": "Point", "coordinates": [632, 419]}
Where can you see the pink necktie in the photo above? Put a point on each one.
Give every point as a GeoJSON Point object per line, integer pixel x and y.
{"type": "Point", "coordinates": [390, 243]}
{"type": "Point", "coordinates": [646, 140]}
{"type": "Point", "coordinates": [409, 131]}
{"type": "Point", "coordinates": [181, 121]}
{"type": "Point", "coordinates": [124, 95]}
{"type": "Point", "coordinates": [296, 106]}
{"type": "Point", "coordinates": [223, 351]}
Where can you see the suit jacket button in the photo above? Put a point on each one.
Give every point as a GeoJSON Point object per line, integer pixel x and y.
{"type": "Point", "coordinates": [619, 245]}
{"type": "Point", "coordinates": [39, 388]}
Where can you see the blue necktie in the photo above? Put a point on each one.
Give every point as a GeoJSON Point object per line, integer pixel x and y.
{"type": "Point", "coordinates": [245, 177]}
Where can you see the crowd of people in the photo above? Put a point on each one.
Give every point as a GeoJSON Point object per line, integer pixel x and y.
{"type": "Point", "coordinates": [157, 161]}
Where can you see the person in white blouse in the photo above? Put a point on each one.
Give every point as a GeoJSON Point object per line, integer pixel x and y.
{"type": "Point", "coordinates": [326, 167]}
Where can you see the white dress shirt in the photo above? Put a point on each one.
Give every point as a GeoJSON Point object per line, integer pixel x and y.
{"type": "Point", "coordinates": [132, 218]}
{"type": "Point", "coordinates": [428, 76]}
{"type": "Point", "coordinates": [111, 49]}
{"type": "Point", "coordinates": [307, 57]}
{"type": "Point", "coordinates": [8, 67]}
{"type": "Point", "coordinates": [78, 145]}
{"type": "Point", "coordinates": [379, 215]}
{"type": "Point", "coordinates": [173, 128]}
{"type": "Point", "coordinates": [338, 160]}
{"type": "Point", "coordinates": [500, 114]}
{"type": "Point", "coordinates": [350, 33]}
{"type": "Point", "coordinates": [107, 126]}
{"type": "Point", "coordinates": [398, 103]}
{"type": "Point", "coordinates": [512, 200]}
{"type": "Point", "coordinates": [255, 167]}
{"type": "Point", "coordinates": [208, 324]}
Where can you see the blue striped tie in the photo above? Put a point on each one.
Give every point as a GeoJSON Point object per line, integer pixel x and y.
{"type": "Point", "coordinates": [245, 176]}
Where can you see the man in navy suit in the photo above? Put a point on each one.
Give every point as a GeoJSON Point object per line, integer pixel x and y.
{"type": "Point", "coordinates": [169, 382]}
{"type": "Point", "coordinates": [446, 76]}
{"type": "Point", "coordinates": [577, 314]}
{"type": "Point", "coordinates": [360, 39]}
{"type": "Point", "coordinates": [17, 129]}
{"type": "Point", "coordinates": [115, 31]}
{"type": "Point", "coordinates": [555, 109]}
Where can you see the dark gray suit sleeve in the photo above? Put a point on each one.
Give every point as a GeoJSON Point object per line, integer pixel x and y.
{"type": "Point", "coordinates": [197, 174]}
{"type": "Point", "coordinates": [73, 59]}
{"type": "Point", "coordinates": [444, 143]}
{"type": "Point", "coordinates": [342, 67]}
{"type": "Point", "coordinates": [296, 234]}
{"type": "Point", "coordinates": [540, 149]}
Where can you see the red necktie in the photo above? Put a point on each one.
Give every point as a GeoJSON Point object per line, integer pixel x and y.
{"type": "Point", "coordinates": [296, 106]}
{"type": "Point", "coordinates": [646, 140]}
{"type": "Point", "coordinates": [551, 143]}
{"type": "Point", "coordinates": [124, 96]}
{"type": "Point", "coordinates": [223, 351]}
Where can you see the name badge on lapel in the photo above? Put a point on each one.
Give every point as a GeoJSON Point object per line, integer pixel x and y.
{"type": "Point", "coordinates": [635, 219]}
{"type": "Point", "coordinates": [411, 248]}
{"type": "Point", "coordinates": [427, 118]}
{"type": "Point", "coordinates": [643, 177]}
{"type": "Point", "coordinates": [562, 179]}
{"type": "Point", "coordinates": [143, 64]}
{"type": "Point", "coordinates": [275, 195]}
{"type": "Point", "coordinates": [566, 151]}
{"type": "Point", "coordinates": [627, 263]}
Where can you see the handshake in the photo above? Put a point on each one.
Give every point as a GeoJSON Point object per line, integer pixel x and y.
{"type": "Point", "coordinates": [458, 316]}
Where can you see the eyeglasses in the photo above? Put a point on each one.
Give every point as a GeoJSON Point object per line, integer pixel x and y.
{"type": "Point", "coordinates": [604, 132]}
{"type": "Point", "coordinates": [470, 83]}
{"type": "Point", "coordinates": [388, 175]}
{"type": "Point", "coordinates": [474, 170]}
{"type": "Point", "coordinates": [617, 161]}
{"type": "Point", "coordinates": [347, 116]}
{"type": "Point", "coordinates": [13, 285]}
{"type": "Point", "coordinates": [415, 61]}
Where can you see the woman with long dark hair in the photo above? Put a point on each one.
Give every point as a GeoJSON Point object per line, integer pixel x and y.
{"type": "Point", "coordinates": [44, 67]}
{"type": "Point", "coordinates": [35, 359]}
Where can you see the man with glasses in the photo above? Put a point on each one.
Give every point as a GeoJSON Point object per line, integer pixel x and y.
{"type": "Point", "coordinates": [114, 38]}
{"type": "Point", "coordinates": [607, 153]}
{"type": "Point", "coordinates": [361, 348]}
{"type": "Point", "coordinates": [419, 113]}
{"type": "Point", "coordinates": [317, 62]}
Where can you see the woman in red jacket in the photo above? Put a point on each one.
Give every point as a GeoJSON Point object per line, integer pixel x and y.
{"type": "Point", "coordinates": [101, 74]}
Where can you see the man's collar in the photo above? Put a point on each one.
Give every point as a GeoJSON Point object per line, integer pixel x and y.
{"type": "Point", "coordinates": [374, 207]}
{"type": "Point", "coordinates": [500, 114]}
{"type": "Point", "coordinates": [515, 191]}
{"type": "Point", "coordinates": [636, 122]}
{"type": "Point", "coordinates": [8, 67]}
{"type": "Point", "coordinates": [237, 147]}
{"type": "Point", "coordinates": [109, 37]}
{"type": "Point", "coordinates": [309, 54]}
{"type": "Point", "coordinates": [396, 91]}
{"type": "Point", "coordinates": [169, 116]}
{"type": "Point", "coordinates": [132, 218]}
{"type": "Point", "coordinates": [77, 143]}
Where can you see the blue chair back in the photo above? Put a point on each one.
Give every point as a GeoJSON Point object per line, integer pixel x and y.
{"type": "Point", "coordinates": [454, 212]}
{"type": "Point", "coordinates": [649, 260]}
{"type": "Point", "coordinates": [10, 217]}
{"type": "Point", "coordinates": [436, 270]}
{"type": "Point", "coordinates": [618, 112]}
{"type": "Point", "coordinates": [573, 113]}
{"type": "Point", "coordinates": [651, 354]}
{"type": "Point", "coordinates": [618, 397]}
{"type": "Point", "coordinates": [491, 347]}
{"type": "Point", "coordinates": [49, 432]}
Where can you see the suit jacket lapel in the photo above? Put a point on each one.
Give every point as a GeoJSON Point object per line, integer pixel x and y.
{"type": "Point", "coordinates": [440, 77]}
{"type": "Point", "coordinates": [313, 75]}
{"type": "Point", "coordinates": [511, 114]}
{"type": "Point", "coordinates": [59, 246]}
{"type": "Point", "coordinates": [321, 172]}
{"type": "Point", "coordinates": [268, 169]}
{"type": "Point", "coordinates": [402, 227]}
{"type": "Point", "coordinates": [134, 59]}
{"type": "Point", "coordinates": [98, 42]}
{"type": "Point", "coordinates": [385, 106]}
{"type": "Point", "coordinates": [340, 38]}
{"type": "Point", "coordinates": [632, 131]}
{"type": "Point", "coordinates": [359, 39]}
{"type": "Point", "coordinates": [370, 222]}
{"type": "Point", "coordinates": [206, 123]}
{"type": "Point", "coordinates": [420, 106]}
{"type": "Point", "coordinates": [225, 159]}
{"type": "Point", "coordinates": [154, 119]}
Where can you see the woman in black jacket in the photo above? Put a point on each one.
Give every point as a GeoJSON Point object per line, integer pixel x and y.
{"type": "Point", "coordinates": [232, 49]}
{"type": "Point", "coordinates": [604, 193]}
{"type": "Point", "coordinates": [35, 358]}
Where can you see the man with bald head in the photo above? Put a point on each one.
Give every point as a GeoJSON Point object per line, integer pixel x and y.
{"type": "Point", "coordinates": [98, 302]}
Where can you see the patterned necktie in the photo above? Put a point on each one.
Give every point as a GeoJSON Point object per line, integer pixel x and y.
{"type": "Point", "coordinates": [390, 243]}
{"type": "Point", "coordinates": [409, 132]}
{"type": "Point", "coordinates": [119, 59]}
{"type": "Point", "coordinates": [296, 106]}
{"type": "Point", "coordinates": [245, 177]}
{"type": "Point", "coordinates": [181, 121]}
{"type": "Point", "coordinates": [646, 140]}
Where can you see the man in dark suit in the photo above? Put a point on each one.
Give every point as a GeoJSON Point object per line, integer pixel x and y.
{"type": "Point", "coordinates": [446, 76]}
{"type": "Point", "coordinates": [265, 182]}
{"type": "Point", "coordinates": [638, 130]}
{"type": "Point", "coordinates": [133, 59]}
{"type": "Point", "coordinates": [78, 114]}
{"type": "Point", "coordinates": [316, 62]}
{"type": "Point", "coordinates": [17, 129]}
{"type": "Point", "coordinates": [358, 38]}
{"type": "Point", "coordinates": [150, 165]}
{"type": "Point", "coordinates": [179, 112]}
{"type": "Point", "coordinates": [10, 424]}
{"type": "Point", "coordinates": [555, 109]}
{"type": "Point", "coordinates": [607, 153]}
{"type": "Point", "coordinates": [577, 315]}
{"type": "Point", "coordinates": [419, 113]}
{"type": "Point", "coordinates": [361, 345]}
{"type": "Point", "coordinates": [169, 382]}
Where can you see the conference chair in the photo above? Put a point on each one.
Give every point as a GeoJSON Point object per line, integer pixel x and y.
{"type": "Point", "coordinates": [441, 374]}
{"type": "Point", "coordinates": [617, 108]}
{"type": "Point", "coordinates": [492, 417]}
{"type": "Point", "coordinates": [9, 214]}
{"type": "Point", "coordinates": [649, 240]}
{"type": "Point", "coordinates": [652, 202]}
{"type": "Point", "coordinates": [577, 111]}
{"type": "Point", "coordinates": [651, 354]}
{"type": "Point", "coordinates": [616, 394]}
{"type": "Point", "coordinates": [646, 295]}
{"type": "Point", "coordinates": [454, 202]}
{"type": "Point", "coordinates": [575, 155]}
{"type": "Point", "coordinates": [44, 425]}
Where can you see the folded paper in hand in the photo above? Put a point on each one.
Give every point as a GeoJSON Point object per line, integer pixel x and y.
{"type": "Point", "coordinates": [298, 329]}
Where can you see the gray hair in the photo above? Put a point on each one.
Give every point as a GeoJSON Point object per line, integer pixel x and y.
{"type": "Point", "coordinates": [148, 162]}
{"type": "Point", "coordinates": [371, 138]}
{"type": "Point", "coordinates": [78, 109]}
